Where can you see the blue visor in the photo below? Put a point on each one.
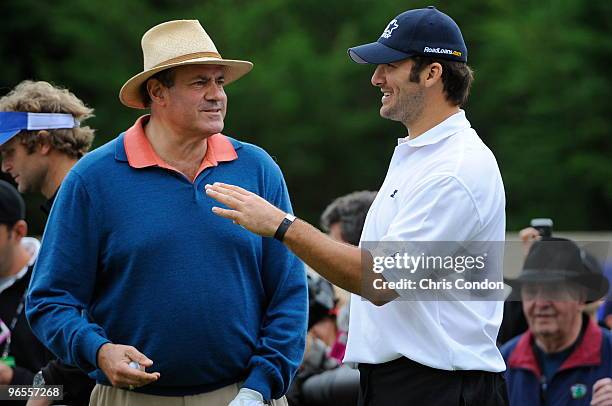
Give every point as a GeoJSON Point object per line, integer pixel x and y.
{"type": "Point", "coordinates": [11, 122]}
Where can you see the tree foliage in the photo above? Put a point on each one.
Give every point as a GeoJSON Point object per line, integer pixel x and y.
{"type": "Point", "coordinates": [541, 99]}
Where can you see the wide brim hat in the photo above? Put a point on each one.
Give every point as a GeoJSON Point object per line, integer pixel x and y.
{"type": "Point", "coordinates": [558, 260]}
{"type": "Point", "coordinates": [177, 43]}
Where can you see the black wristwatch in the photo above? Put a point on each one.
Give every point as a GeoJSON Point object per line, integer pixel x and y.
{"type": "Point", "coordinates": [284, 226]}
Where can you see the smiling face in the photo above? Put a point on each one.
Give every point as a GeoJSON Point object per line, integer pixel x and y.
{"type": "Point", "coordinates": [196, 103]}
{"type": "Point", "coordinates": [27, 169]}
{"type": "Point", "coordinates": [402, 99]}
{"type": "Point", "coordinates": [553, 311]}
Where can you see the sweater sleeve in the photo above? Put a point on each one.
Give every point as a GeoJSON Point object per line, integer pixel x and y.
{"type": "Point", "coordinates": [281, 343]}
{"type": "Point", "coordinates": [63, 281]}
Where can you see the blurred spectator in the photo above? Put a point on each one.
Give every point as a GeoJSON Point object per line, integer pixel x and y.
{"type": "Point", "coordinates": [591, 308]}
{"type": "Point", "coordinates": [40, 151]}
{"type": "Point", "coordinates": [322, 378]}
{"type": "Point", "coordinates": [38, 154]}
{"type": "Point", "coordinates": [564, 357]}
{"type": "Point", "coordinates": [604, 313]}
{"type": "Point", "coordinates": [22, 355]}
{"type": "Point", "coordinates": [343, 219]}
{"type": "Point", "coordinates": [514, 322]}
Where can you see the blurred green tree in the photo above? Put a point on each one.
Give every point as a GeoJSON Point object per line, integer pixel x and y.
{"type": "Point", "coordinates": [540, 99]}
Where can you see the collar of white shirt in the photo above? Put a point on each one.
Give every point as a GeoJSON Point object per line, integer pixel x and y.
{"type": "Point", "coordinates": [452, 125]}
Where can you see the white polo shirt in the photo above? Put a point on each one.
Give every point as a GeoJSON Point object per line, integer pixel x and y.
{"type": "Point", "coordinates": [443, 185]}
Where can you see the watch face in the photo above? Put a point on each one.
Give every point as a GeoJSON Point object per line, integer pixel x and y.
{"type": "Point", "coordinates": [39, 380]}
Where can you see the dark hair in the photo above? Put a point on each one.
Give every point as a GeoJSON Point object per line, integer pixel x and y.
{"type": "Point", "coordinates": [457, 77]}
{"type": "Point", "coordinates": [165, 77]}
{"type": "Point", "coordinates": [350, 211]}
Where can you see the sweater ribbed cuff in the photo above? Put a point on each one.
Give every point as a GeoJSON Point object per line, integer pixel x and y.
{"type": "Point", "coordinates": [88, 348]}
{"type": "Point", "coordinates": [259, 381]}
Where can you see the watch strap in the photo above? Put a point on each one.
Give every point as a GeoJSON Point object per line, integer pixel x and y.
{"type": "Point", "coordinates": [284, 226]}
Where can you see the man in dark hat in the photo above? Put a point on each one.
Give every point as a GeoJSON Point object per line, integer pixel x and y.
{"type": "Point", "coordinates": [21, 354]}
{"type": "Point", "coordinates": [564, 357]}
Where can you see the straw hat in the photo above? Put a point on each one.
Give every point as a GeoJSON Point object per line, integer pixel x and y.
{"type": "Point", "coordinates": [177, 43]}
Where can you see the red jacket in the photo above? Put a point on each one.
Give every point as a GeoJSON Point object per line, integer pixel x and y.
{"type": "Point", "coordinates": [572, 384]}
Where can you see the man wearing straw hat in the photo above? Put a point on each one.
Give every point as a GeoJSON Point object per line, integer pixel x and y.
{"type": "Point", "coordinates": [185, 308]}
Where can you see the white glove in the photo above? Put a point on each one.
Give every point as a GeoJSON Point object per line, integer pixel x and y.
{"type": "Point", "coordinates": [247, 397]}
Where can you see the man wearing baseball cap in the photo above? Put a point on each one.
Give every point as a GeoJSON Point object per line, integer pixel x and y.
{"type": "Point", "coordinates": [443, 184]}
{"type": "Point", "coordinates": [185, 308]}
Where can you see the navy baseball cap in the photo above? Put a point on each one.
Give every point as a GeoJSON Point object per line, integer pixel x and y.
{"type": "Point", "coordinates": [12, 207]}
{"type": "Point", "coordinates": [423, 31]}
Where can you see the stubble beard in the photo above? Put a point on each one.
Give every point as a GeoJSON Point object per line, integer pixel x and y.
{"type": "Point", "coordinates": [408, 109]}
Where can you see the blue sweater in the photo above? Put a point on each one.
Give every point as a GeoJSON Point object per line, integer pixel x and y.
{"type": "Point", "coordinates": [140, 251]}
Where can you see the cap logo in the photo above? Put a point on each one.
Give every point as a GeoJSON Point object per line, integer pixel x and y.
{"type": "Point", "coordinates": [389, 30]}
{"type": "Point", "coordinates": [442, 51]}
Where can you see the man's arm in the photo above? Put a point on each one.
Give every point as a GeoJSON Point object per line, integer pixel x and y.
{"type": "Point", "coordinates": [439, 209]}
{"type": "Point", "coordinates": [341, 264]}
{"type": "Point", "coordinates": [337, 262]}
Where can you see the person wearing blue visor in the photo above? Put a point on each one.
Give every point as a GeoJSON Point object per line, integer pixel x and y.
{"type": "Point", "coordinates": [41, 137]}
{"type": "Point", "coordinates": [443, 184]}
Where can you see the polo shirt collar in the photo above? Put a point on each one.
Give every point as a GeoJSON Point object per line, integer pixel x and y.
{"type": "Point", "coordinates": [452, 125]}
{"type": "Point", "coordinates": [139, 153]}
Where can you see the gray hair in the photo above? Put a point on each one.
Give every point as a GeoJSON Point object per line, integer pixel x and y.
{"type": "Point", "coordinates": [350, 211]}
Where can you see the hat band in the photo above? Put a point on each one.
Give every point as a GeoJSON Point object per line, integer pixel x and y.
{"type": "Point", "coordinates": [187, 57]}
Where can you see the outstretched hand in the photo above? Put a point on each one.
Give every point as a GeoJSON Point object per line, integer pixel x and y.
{"type": "Point", "coordinates": [246, 209]}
